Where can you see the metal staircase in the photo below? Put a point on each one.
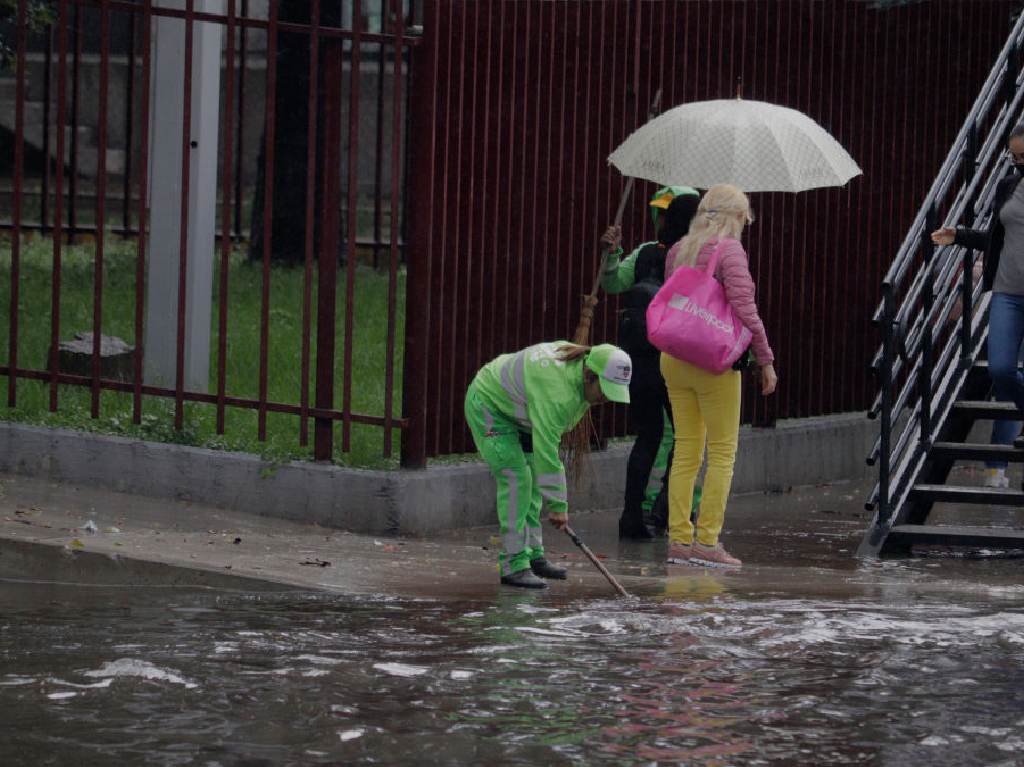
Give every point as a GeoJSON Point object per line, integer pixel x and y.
{"type": "Point", "coordinates": [934, 381]}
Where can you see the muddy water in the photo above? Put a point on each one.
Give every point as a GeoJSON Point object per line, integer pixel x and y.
{"type": "Point", "coordinates": [904, 664]}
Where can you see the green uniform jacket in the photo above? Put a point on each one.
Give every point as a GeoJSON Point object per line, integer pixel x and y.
{"type": "Point", "coordinates": [620, 276]}
{"type": "Point", "coordinates": [542, 395]}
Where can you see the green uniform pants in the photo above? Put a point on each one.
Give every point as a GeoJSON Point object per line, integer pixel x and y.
{"type": "Point", "coordinates": [519, 498]}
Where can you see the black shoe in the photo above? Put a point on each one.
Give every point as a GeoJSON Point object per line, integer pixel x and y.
{"type": "Point", "coordinates": [524, 579]}
{"type": "Point", "coordinates": [545, 569]}
{"type": "Point", "coordinates": [636, 531]}
{"type": "Point", "coordinates": [1018, 443]}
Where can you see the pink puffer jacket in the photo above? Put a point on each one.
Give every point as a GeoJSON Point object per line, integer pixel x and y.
{"type": "Point", "coordinates": [734, 274]}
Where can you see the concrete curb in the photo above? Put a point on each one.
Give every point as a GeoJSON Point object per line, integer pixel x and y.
{"type": "Point", "coordinates": [799, 452]}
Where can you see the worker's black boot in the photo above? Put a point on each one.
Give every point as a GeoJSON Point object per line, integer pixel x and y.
{"type": "Point", "coordinates": [634, 529]}
{"type": "Point", "coordinates": [524, 579]}
{"type": "Point", "coordinates": [545, 569]}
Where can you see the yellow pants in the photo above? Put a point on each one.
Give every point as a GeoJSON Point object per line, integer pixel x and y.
{"type": "Point", "coordinates": [705, 406]}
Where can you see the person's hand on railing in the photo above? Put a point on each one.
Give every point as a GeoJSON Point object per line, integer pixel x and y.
{"type": "Point", "coordinates": [944, 236]}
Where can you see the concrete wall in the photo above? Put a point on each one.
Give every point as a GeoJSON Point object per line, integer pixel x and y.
{"type": "Point", "coordinates": [804, 452]}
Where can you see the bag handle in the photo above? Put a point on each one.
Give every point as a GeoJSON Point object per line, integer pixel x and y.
{"type": "Point", "coordinates": [712, 263]}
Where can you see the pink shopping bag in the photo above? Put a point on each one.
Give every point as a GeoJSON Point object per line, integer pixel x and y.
{"type": "Point", "coordinates": [691, 319]}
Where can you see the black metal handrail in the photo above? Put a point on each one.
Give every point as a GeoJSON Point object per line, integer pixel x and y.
{"type": "Point", "coordinates": [1006, 65]}
{"type": "Point", "coordinates": [919, 368]}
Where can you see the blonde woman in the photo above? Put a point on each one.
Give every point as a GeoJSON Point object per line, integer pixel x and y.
{"type": "Point", "coordinates": [705, 405]}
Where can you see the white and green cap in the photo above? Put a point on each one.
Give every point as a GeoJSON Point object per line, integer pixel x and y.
{"type": "Point", "coordinates": [614, 368]}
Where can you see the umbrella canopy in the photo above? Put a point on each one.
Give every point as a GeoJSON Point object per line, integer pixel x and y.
{"type": "Point", "coordinates": [756, 146]}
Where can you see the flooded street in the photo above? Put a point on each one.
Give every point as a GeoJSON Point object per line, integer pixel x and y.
{"type": "Point", "coordinates": [876, 664]}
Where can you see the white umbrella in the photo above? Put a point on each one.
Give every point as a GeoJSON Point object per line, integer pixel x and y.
{"type": "Point", "coordinates": [756, 146]}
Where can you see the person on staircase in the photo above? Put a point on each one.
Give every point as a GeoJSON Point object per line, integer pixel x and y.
{"type": "Point", "coordinates": [518, 407]}
{"type": "Point", "coordinates": [638, 277]}
{"type": "Point", "coordinates": [1003, 431]}
{"type": "Point", "coordinates": [1002, 243]}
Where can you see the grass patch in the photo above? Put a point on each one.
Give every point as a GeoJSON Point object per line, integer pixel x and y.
{"type": "Point", "coordinates": [242, 367]}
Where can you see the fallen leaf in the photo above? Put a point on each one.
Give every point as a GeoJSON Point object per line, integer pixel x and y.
{"type": "Point", "coordinates": [76, 544]}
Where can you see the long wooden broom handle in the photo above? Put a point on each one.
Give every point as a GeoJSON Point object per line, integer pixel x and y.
{"type": "Point", "coordinates": [597, 562]}
{"type": "Point", "coordinates": [590, 300]}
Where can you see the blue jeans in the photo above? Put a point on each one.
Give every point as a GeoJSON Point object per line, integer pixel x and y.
{"type": "Point", "coordinates": [1005, 334]}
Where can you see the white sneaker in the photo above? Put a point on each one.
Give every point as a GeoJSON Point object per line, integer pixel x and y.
{"type": "Point", "coordinates": [997, 478]}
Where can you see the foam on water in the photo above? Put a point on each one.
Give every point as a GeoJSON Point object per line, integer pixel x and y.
{"type": "Point", "coordinates": [401, 669]}
{"type": "Point", "coordinates": [133, 667]}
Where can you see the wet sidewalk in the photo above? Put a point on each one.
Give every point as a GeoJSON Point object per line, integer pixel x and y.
{"type": "Point", "coordinates": [802, 528]}
{"type": "Point", "coordinates": [797, 540]}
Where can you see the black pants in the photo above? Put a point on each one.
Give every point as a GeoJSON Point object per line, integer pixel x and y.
{"type": "Point", "coordinates": [648, 404]}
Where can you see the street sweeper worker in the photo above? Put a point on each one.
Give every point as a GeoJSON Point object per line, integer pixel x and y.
{"type": "Point", "coordinates": [518, 407]}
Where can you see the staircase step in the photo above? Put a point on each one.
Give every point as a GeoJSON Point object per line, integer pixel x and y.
{"type": "Point", "coordinates": [966, 451]}
{"type": "Point", "coordinates": [982, 410]}
{"type": "Point", "coordinates": [950, 535]}
{"type": "Point", "coordinates": [954, 494]}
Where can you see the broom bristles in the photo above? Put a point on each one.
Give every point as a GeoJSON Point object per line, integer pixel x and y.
{"type": "Point", "coordinates": [576, 447]}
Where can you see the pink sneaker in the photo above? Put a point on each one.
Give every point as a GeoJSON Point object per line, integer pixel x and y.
{"type": "Point", "coordinates": [712, 556]}
{"type": "Point", "coordinates": [679, 553]}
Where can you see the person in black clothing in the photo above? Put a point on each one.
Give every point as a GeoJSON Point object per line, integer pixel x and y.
{"type": "Point", "coordinates": [1002, 244]}
{"type": "Point", "coordinates": [638, 278]}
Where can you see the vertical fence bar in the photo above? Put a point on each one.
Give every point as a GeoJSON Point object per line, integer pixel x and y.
{"type": "Point", "coordinates": [307, 277]}
{"type": "Point", "coordinates": [19, 168]}
{"type": "Point", "coordinates": [44, 203]}
{"type": "Point", "coordinates": [143, 211]}
{"type": "Point", "coordinates": [474, 265]}
{"type": "Point", "coordinates": [268, 214]}
{"type": "Point", "coordinates": [129, 128]}
{"type": "Point", "coordinates": [378, 170]}
{"type": "Point", "coordinates": [101, 206]}
{"type": "Point", "coordinates": [186, 132]}
{"type": "Point", "coordinates": [240, 127]}
{"type": "Point", "coordinates": [73, 180]}
{"type": "Point", "coordinates": [422, 123]}
{"type": "Point", "coordinates": [456, 166]}
{"type": "Point", "coordinates": [927, 300]}
{"type": "Point", "coordinates": [396, 166]}
{"type": "Point", "coordinates": [352, 223]}
{"type": "Point", "coordinates": [225, 218]}
{"type": "Point", "coordinates": [485, 292]}
{"type": "Point", "coordinates": [323, 429]}
{"type": "Point", "coordinates": [58, 201]}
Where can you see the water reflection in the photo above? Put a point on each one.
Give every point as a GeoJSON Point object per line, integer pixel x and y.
{"type": "Point", "coordinates": [704, 672]}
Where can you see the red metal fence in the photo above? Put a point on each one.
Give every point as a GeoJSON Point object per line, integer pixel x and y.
{"type": "Point", "coordinates": [516, 106]}
{"type": "Point", "coordinates": [106, 193]}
